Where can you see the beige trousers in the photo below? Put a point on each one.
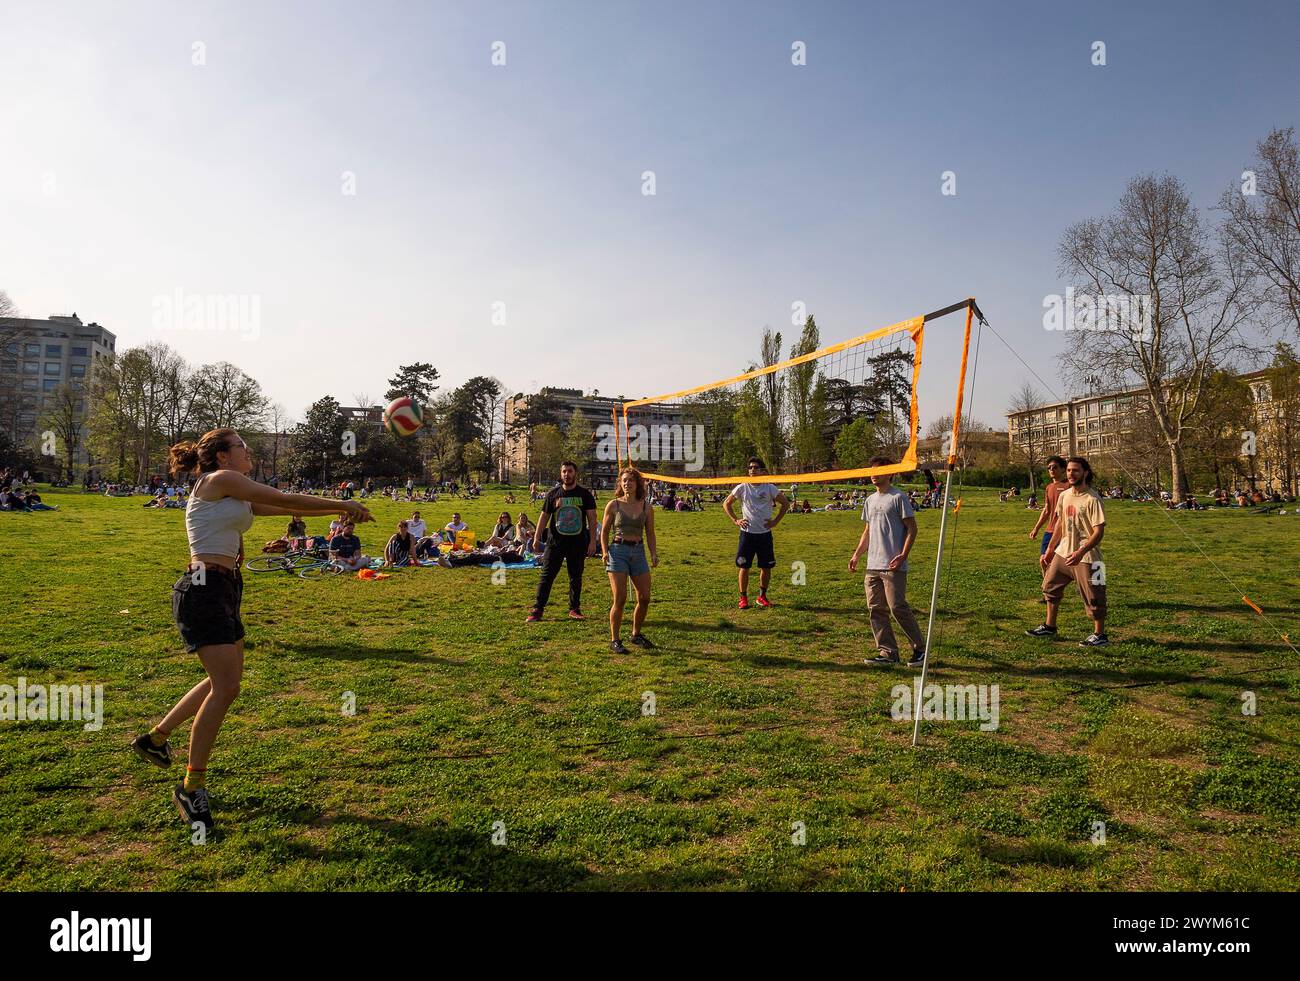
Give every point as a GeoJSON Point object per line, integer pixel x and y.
{"type": "Point", "coordinates": [887, 594]}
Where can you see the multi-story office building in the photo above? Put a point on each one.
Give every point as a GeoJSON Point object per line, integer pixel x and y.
{"type": "Point", "coordinates": [598, 410]}
{"type": "Point", "coordinates": [362, 415]}
{"type": "Point", "coordinates": [1096, 425]}
{"type": "Point", "coordinates": [38, 357]}
{"type": "Point", "coordinates": [1075, 427]}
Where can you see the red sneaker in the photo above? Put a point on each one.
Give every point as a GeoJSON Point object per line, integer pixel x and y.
{"type": "Point", "coordinates": [744, 603]}
{"type": "Point", "coordinates": [534, 617]}
{"type": "Point", "coordinates": [576, 615]}
{"type": "Point", "coordinates": [762, 600]}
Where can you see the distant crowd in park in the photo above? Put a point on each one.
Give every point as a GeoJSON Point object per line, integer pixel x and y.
{"type": "Point", "coordinates": [18, 493]}
{"type": "Point", "coordinates": [1238, 497]}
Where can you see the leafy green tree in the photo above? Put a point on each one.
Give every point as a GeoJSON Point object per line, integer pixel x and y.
{"type": "Point", "coordinates": [889, 395]}
{"type": "Point", "coordinates": [579, 440]}
{"type": "Point", "coordinates": [316, 444]}
{"type": "Point", "coordinates": [856, 444]}
{"type": "Point", "coordinates": [715, 410]}
{"type": "Point", "coordinates": [414, 381]}
{"type": "Point", "coordinates": [808, 405]}
{"type": "Point", "coordinates": [1213, 442]}
{"type": "Point", "coordinates": [760, 404]}
{"type": "Point", "coordinates": [475, 457]}
{"type": "Point", "coordinates": [548, 452]}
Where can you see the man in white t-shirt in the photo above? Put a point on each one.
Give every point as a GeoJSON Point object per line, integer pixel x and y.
{"type": "Point", "coordinates": [755, 524]}
{"type": "Point", "coordinates": [455, 525]}
{"type": "Point", "coordinates": [416, 526]}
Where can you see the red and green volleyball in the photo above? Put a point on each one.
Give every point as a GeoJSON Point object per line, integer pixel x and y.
{"type": "Point", "coordinates": [403, 416]}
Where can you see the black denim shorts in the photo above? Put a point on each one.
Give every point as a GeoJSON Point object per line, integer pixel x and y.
{"type": "Point", "coordinates": [207, 612]}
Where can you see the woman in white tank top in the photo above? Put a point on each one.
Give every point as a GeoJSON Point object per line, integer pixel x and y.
{"type": "Point", "coordinates": [206, 599]}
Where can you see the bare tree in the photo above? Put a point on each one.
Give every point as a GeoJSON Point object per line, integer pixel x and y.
{"type": "Point", "coordinates": [178, 393]}
{"type": "Point", "coordinates": [1172, 303]}
{"type": "Point", "coordinates": [13, 334]}
{"type": "Point", "coordinates": [1027, 446]}
{"type": "Point", "coordinates": [63, 417]}
{"type": "Point", "coordinates": [277, 418]}
{"type": "Point", "coordinates": [229, 398]}
{"type": "Point", "coordinates": [1263, 222]}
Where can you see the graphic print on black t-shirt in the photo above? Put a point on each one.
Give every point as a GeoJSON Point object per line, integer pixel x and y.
{"type": "Point", "coordinates": [568, 509]}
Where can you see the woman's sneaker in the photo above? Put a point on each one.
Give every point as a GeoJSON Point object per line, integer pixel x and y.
{"type": "Point", "coordinates": [617, 647]}
{"type": "Point", "coordinates": [641, 640]}
{"type": "Point", "coordinates": [193, 805]}
{"type": "Point", "coordinates": [1094, 640]}
{"type": "Point", "coordinates": [1042, 630]}
{"type": "Point", "coordinates": [146, 750]}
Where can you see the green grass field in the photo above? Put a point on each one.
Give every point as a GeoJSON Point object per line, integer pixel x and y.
{"type": "Point", "coordinates": [466, 717]}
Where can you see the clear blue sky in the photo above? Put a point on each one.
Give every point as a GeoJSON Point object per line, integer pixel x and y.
{"type": "Point", "coordinates": [522, 184]}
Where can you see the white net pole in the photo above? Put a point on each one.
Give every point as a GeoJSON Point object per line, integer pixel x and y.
{"type": "Point", "coordinates": [934, 602]}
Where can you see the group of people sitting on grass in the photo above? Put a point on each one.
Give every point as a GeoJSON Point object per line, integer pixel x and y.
{"type": "Point", "coordinates": [413, 543]}
{"type": "Point", "coordinates": [17, 500]}
{"type": "Point", "coordinates": [508, 543]}
{"type": "Point", "coordinates": [669, 499]}
{"type": "Point", "coordinates": [14, 498]}
{"type": "Point", "coordinates": [171, 496]}
{"type": "Point", "coordinates": [1222, 498]}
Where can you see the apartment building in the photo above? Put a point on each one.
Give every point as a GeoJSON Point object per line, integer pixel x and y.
{"type": "Point", "coordinates": [38, 357]}
{"type": "Point", "coordinates": [1095, 425]}
{"type": "Point", "coordinates": [1075, 427]}
{"type": "Point", "coordinates": [598, 410]}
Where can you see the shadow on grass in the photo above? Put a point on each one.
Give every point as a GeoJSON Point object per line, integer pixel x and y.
{"type": "Point", "coordinates": [1204, 607]}
{"type": "Point", "coordinates": [1096, 675]}
{"type": "Point", "coordinates": [442, 856]}
{"type": "Point", "coordinates": [356, 652]}
{"type": "Point", "coordinates": [1239, 647]}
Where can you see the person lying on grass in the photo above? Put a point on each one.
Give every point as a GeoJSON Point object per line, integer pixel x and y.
{"type": "Point", "coordinates": [426, 547]}
{"type": "Point", "coordinates": [486, 555]}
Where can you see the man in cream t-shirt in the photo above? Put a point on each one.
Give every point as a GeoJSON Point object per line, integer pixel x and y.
{"type": "Point", "coordinates": [1074, 553]}
{"type": "Point", "coordinates": [755, 524]}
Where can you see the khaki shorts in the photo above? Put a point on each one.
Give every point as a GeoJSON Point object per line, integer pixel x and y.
{"type": "Point", "coordinates": [1059, 575]}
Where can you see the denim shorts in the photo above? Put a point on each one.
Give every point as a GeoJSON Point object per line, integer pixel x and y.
{"type": "Point", "coordinates": [629, 560]}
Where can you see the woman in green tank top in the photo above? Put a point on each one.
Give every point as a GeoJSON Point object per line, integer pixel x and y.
{"type": "Point", "coordinates": [628, 526]}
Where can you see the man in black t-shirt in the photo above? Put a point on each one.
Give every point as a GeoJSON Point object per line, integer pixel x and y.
{"type": "Point", "coordinates": [569, 522]}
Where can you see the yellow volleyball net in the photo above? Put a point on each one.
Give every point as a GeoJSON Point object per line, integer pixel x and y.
{"type": "Point", "coordinates": [819, 416]}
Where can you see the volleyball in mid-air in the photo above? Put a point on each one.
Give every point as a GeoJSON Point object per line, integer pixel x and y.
{"type": "Point", "coordinates": [403, 416]}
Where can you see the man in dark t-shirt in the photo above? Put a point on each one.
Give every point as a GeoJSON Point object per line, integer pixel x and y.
{"type": "Point", "coordinates": [568, 521]}
{"type": "Point", "coordinates": [1056, 484]}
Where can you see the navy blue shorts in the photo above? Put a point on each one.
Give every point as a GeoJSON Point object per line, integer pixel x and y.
{"type": "Point", "coordinates": [755, 545]}
{"type": "Point", "coordinates": [1042, 548]}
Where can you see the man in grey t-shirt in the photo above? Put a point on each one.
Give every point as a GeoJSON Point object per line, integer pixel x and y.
{"type": "Point", "coordinates": [887, 538]}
